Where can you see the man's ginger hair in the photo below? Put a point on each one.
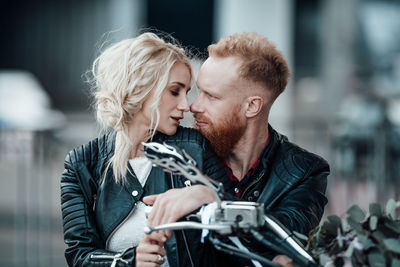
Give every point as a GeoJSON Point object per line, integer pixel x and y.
{"type": "Point", "coordinates": [261, 62]}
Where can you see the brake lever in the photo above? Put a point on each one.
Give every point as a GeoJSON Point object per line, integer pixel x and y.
{"type": "Point", "coordinates": [179, 162]}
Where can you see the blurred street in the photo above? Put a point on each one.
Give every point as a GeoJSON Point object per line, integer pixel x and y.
{"type": "Point", "coordinates": [342, 101]}
{"type": "Point", "coordinates": [31, 164]}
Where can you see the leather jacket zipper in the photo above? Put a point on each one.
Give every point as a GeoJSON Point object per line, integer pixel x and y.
{"type": "Point", "coordinates": [183, 232]}
{"type": "Point", "coordinates": [253, 183]}
{"type": "Point", "coordinates": [121, 223]}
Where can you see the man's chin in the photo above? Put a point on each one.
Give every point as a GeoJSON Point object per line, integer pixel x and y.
{"type": "Point", "coordinates": [201, 128]}
{"type": "Point", "coordinates": [204, 130]}
{"type": "Point", "coordinates": [224, 136]}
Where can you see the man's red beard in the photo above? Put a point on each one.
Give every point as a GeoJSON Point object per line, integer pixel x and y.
{"type": "Point", "coordinates": [224, 135]}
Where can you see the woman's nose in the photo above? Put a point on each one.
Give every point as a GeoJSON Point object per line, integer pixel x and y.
{"type": "Point", "coordinates": [184, 104]}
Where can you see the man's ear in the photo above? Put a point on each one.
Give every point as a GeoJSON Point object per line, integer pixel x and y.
{"type": "Point", "coordinates": [254, 106]}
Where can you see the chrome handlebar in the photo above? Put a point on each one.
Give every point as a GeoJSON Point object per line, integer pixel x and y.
{"type": "Point", "coordinates": [219, 228]}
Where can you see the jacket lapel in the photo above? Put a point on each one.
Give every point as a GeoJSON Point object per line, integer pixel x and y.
{"type": "Point", "coordinates": [274, 186]}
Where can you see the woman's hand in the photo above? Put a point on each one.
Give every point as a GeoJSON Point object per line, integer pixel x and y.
{"type": "Point", "coordinates": [149, 253]}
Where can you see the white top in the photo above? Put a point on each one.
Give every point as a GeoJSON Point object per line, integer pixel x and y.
{"type": "Point", "coordinates": [131, 230]}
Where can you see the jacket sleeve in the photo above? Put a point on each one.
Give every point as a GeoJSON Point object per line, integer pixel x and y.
{"type": "Point", "coordinates": [299, 206]}
{"type": "Point", "coordinates": [301, 209]}
{"type": "Point", "coordinates": [85, 247]}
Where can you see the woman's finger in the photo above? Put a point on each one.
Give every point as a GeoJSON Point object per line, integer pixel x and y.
{"type": "Point", "coordinates": [146, 264]}
{"type": "Point", "coordinates": [156, 258]}
{"type": "Point", "coordinates": [147, 246]}
{"type": "Point", "coordinates": [157, 238]}
{"type": "Point", "coordinates": [150, 249]}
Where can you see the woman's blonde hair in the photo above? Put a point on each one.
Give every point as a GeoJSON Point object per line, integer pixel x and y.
{"type": "Point", "coordinates": [123, 76]}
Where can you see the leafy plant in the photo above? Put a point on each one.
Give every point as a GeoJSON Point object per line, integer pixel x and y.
{"type": "Point", "coordinates": [359, 239]}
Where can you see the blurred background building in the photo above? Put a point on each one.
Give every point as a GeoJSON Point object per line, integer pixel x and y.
{"type": "Point", "coordinates": [343, 101]}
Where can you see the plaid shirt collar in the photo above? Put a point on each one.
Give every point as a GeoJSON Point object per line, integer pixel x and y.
{"type": "Point", "coordinates": [250, 172]}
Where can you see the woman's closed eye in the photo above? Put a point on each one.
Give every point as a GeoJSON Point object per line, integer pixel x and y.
{"type": "Point", "coordinates": [174, 92]}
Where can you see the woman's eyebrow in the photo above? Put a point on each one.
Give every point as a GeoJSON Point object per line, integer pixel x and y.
{"type": "Point", "coordinates": [179, 83]}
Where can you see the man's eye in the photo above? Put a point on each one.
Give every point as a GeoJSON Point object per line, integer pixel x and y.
{"type": "Point", "coordinates": [211, 96]}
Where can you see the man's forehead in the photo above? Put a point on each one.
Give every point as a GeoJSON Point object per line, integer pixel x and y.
{"type": "Point", "coordinates": [231, 61]}
{"type": "Point", "coordinates": [221, 72]}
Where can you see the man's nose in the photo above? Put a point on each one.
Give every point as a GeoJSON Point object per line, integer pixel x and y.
{"type": "Point", "coordinates": [195, 107]}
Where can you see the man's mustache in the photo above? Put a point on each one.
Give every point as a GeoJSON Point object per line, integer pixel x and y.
{"type": "Point", "coordinates": [200, 117]}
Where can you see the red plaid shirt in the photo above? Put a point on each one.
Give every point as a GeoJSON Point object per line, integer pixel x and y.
{"type": "Point", "coordinates": [250, 172]}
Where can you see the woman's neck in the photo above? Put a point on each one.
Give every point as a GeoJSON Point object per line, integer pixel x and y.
{"type": "Point", "coordinates": [138, 133]}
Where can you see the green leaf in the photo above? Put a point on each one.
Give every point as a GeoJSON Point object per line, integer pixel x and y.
{"type": "Point", "coordinates": [356, 225]}
{"type": "Point", "coordinates": [378, 235]}
{"type": "Point", "coordinates": [392, 244]}
{"type": "Point", "coordinates": [329, 228]}
{"type": "Point", "coordinates": [391, 207]}
{"type": "Point", "coordinates": [375, 209]}
{"type": "Point", "coordinates": [335, 249]}
{"type": "Point", "coordinates": [324, 259]}
{"type": "Point", "coordinates": [365, 241]}
{"type": "Point", "coordinates": [349, 251]}
{"type": "Point", "coordinates": [373, 222]}
{"type": "Point", "coordinates": [339, 238]}
{"type": "Point", "coordinates": [300, 236]}
{"type": "Point", "coordinates": [395, 262]}
{"type": "Point", "coordinates": [345, 225]}
{"type": "Point", "coordinates": [393, 225]}
{"type": "Point", "coordinates": [334, 220]}
{"type": "Point", "coordinates": [376, 259]}
{"type": "Point", "coordinates": [356, 213]}
{"type": "Point", "coordinates": [359, 257]}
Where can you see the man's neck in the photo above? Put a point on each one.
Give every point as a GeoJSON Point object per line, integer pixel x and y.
{"type": "Point", "coordinates": [247, 150]}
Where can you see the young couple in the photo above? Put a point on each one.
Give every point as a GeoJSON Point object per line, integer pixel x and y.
{"type": "Point", "coordinates": [141, 87]}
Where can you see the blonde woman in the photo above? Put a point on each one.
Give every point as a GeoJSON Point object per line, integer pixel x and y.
{"type": "Point", "coordinates": [141, 87]}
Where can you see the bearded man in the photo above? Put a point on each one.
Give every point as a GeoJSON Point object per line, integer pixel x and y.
{"type": "Point", "coordinates": [238, 84]}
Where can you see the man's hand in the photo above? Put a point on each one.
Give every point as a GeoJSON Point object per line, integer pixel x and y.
{"type": "Point", "coordinates": [283, 260]}
{"type": "Point", "coordinates": [175, 203]}
{"type": "Point", "coordinates": [149, 253]}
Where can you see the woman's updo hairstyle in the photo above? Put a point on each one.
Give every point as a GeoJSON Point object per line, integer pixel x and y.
{"type": "Point", "coordinates": [124, 75]}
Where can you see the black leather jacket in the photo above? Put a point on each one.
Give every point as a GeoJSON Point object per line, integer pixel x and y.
{"type": "Point", "coordinates": [91, 211]}
{"type": "Point", "coordinates": [291, 182]}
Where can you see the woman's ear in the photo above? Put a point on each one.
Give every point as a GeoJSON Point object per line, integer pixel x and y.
{"type": "Point", "coordinates": [254, 106]}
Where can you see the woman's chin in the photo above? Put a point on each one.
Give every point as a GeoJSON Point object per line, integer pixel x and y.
{"type": "Point", "coordinates": [169, 131]}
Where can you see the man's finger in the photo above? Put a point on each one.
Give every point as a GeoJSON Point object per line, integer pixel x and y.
{"type": "Point", "coordinates": [168, 234]}
{"type": "Point", "coordinates": [149, 200]}
{"type": "Point", "coordinates": [283, 260]}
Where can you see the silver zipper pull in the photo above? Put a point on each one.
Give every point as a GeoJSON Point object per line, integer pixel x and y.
{"type": "Point", "coordinates": [117, 258]}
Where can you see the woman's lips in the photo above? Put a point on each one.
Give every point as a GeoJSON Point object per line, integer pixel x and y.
{"type": "Point", "coordinates": [176, 119]}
